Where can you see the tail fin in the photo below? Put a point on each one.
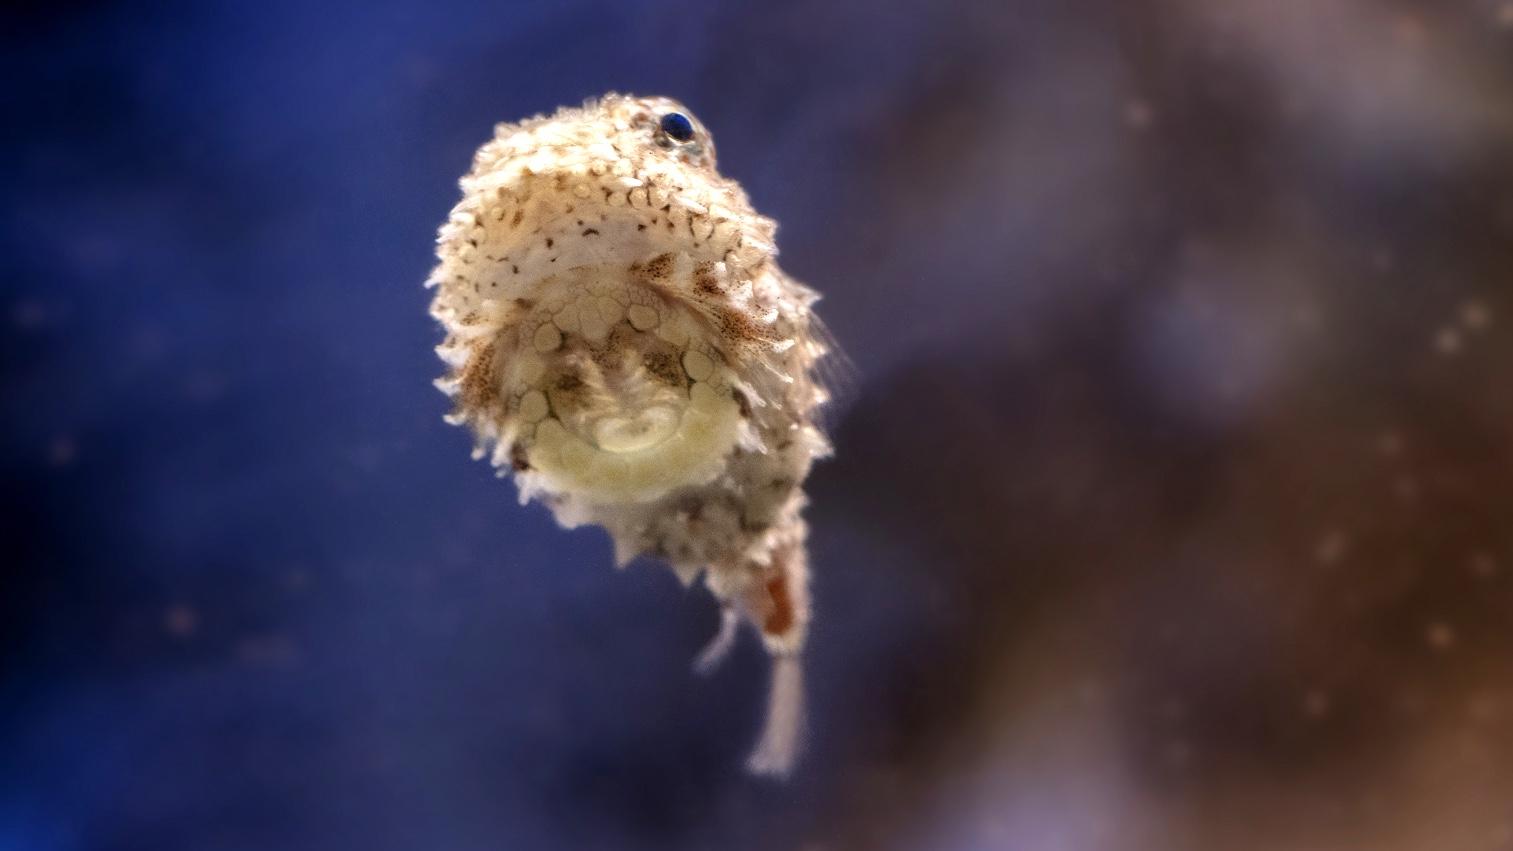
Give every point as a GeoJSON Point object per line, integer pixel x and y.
{"type": "Point", "coordinates": [778, 749]}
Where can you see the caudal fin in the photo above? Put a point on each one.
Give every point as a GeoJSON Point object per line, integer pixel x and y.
{"type": "Point", "coordinates": [778, 748]}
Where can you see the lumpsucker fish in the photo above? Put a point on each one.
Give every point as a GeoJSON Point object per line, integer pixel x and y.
{"type": "Point", "coordinates": [621, 339]}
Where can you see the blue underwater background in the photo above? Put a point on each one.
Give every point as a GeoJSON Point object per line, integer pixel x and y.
{"type": "Point", "coordinates": [1173, 503]}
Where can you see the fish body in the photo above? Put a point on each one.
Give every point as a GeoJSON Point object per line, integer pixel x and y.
{"type": "Point", "coordinates": [621, 339]}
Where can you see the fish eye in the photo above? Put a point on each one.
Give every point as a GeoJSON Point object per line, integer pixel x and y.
{"type": "Point", "coordinates": [676, 126]}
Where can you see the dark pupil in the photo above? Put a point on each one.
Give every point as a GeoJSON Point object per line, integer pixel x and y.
{"type": "Point", "coordinates": [677, 127]}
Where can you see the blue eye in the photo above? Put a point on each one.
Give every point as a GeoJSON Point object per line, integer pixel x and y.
{"type": "Point", "coordinates": [676, 126]}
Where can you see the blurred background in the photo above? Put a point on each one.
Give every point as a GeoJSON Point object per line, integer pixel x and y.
{"type": "Point", "coordinates": [1173, 506]}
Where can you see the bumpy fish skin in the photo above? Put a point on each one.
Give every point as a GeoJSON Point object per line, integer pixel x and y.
{"type": "Point", "coordinates": [620, 336]}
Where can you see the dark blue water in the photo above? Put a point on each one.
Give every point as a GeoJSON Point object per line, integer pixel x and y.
{"type": "Point", "coordinates": [1177, 464]}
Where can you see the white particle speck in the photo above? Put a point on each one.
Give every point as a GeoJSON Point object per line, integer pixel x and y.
{"type": "Point", "coordinates": [1475, 315]}
{"type": "Point", "coordinates": [1091, 692]}
{"type": "Point", "coordinates": [267, 650]}
{"type": "Point", "coordinates": [1138, 114]}
{"type": "Point", "coordinates": [29, 315]}
{"type": "Point", "coordinates": [1406, 488]}
{"type": "Point", "coordinates": [1390, 443]}
{"type": "Point", "coordinates": [1440, 636]}
{"type": "Point", "coordinates": [1177, 754]}
{"type": "Point", "coordinates": [1483, 565]}
{"type": "Point", "coordinates": [1308, 316]}
{"type": "Point", "coordinates": [62, 451]}
{"type": "Point", "coordinates": [1447, 341]}
{"type": "Point", "coordinates": [1331, 547]}
{"type": "Point", "coordinates": [1410, 30]}
{"type": "Point", "coordinates": [1483, 708]}
{"type": "Point", "coordinates": [181, 621]}
{"type": "Point", "coordinates": [1411, 703]}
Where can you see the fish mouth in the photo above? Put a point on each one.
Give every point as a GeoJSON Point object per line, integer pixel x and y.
{"type": "Point", "coordinates": [615, 395]}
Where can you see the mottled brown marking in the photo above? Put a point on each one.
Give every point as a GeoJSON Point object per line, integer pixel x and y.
{"type": "Point", "coordinates": [742, 403]}
{"type": "Point", "coordinates": [781, 616]}
{"type": "Point", "coordinates": [664, 366]}
{"type": "Point", "coordinates": [658, 267]}
{"type": "Point", "coordinates": [737, 326]}
{"type": "Point", "coordinates": [754, 526]}
{"type": "Point", "coordinates": [704, 279]}
{"type": "Point", "coordinates": [518, 459]}
{"type": "Point", "coordinates": [611, 354]}
{"type": "Point", "coordinates": [477, 386]}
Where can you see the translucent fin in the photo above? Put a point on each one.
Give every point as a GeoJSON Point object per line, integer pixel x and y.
{"type": "Point", "coordinates": [778, 749]}
{"type": "Point", "coordinates": [626, 551]}
{"type": "Point", "coordinates": [718, 647]}
{"type": "Point", "coordinates": [836, 373]}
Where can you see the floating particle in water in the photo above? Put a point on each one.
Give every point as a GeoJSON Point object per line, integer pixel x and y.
{"type": "Point", "coordinates": [1447, 341]}
{"type": "Point", "coordinates": [1390, 443]}
{"type": "Point", "coordinates": [29, 315]}
{"type": "Point", "coordinates": [1483, 565]}
{"type": "Point", "coordinates": [1331, 547]}
{"type": "Point", "coordinates": [1475, 315]}
{"type": "Point", "coordinates": [1316, 704]}
{"type": "Point", "coordinates": [1440, 636]}
{"type": "Point", "coordinates": [181, 620]}
{"type": "Point", "coordinates": [1138, 114]}
{"type": "Point", "coordinates": [62, 451]}
{"type": "Point", "coordinates": [621, 339]}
